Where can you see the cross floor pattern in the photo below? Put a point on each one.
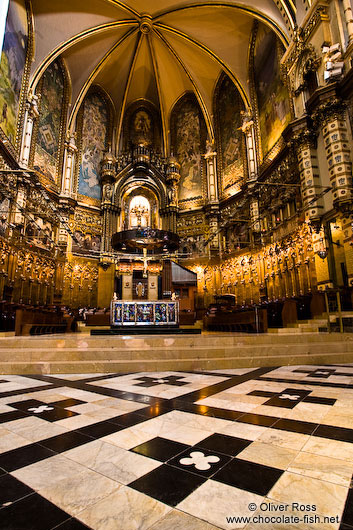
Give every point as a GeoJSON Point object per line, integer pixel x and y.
{"type": "Point", "coordinates": [268, 448]}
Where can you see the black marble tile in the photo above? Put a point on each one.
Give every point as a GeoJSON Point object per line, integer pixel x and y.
{"type": "Point", "coordinates": [223, 414]}
{"type": "Point", "coordinates": [31, 513]}
{"type": "Point", "coordinates": [258, 419]}
{"type": "Point", "coordinates": [15, 393]}
{"type": "Point", "coordinates": [301, 382]}
{"type": "Point", "coordinates": [4, 381]}
{"type": "Point", "coordinates": [302, 427]}
{"type": "Point", "coordinates": [335, 433]}
{"type": "Point", "coordinates": [44, 411]}
{"type": "Point", "coordinates": [72, 524]}
{"type": "Point", "coordinates": [229, 445]}
{"type": "Point", "coordinates": [172, 380]}
{"type": "Point", "coordinates": [24, 456]}
{"type": "Point", "coordinates": [288, 398]}
{"type": "Point", "coordinates": [248, 476]}
{"type": "Point", "coordinates": [200, 461]}
{"type": "Point", "coordinates": [70, 402]}
{"type": "Point", "coordinates": [11, 490]}
{"type": "Point", "coordinates": [155, 410]}
{"type": "Point", "coordinates": [347, 516]}
{"type": "Point", "coordinates": [262, 393]}
{"type": "Point", "coordinates": [160, 449]}
{"type": "Point", "coordinates": [127, 420]}
{"type": "Point", "coordinates": [168, 484]}
{"type": "Point", "coordinates": [319, 400]}
{"type": "Point", "coordinates": [12, 415]}
{"type": "Point", "coordinates": [98, 430]}
{"type": "Point", "coordinates": [66, 441]}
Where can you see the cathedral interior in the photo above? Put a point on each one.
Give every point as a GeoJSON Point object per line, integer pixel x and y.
{"type": "Point", "coordinates": [181, 169]}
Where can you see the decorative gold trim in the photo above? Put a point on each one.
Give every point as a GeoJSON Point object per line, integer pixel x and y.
{"type": "Point", "coordinates": [93, 74]}
{"type": "Point", "coordinates": [199, 97]}
{"type": "Point", "coordinates": [258, 150]}
{"type": "Point", "coordinates": [62, 47]}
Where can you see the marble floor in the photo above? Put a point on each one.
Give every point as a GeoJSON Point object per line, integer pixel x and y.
{"type": "Point", "coordinates": [253, 448]}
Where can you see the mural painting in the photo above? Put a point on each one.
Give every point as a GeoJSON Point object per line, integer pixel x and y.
{"type": "Point", "coordinates": [85, 243]}
{"type": "Point", "coordinates": [94, 133]}
{"type": "Point", "coordinates": [189, 149]}
{"type": "Point", "coordinates": [13, 59]}
{"type": "Point", "coordinates": [272, 95]}
{"type": "Point", "coordinates": [52, 94]}
{"type": "Point", "coordinates": [229, 106]}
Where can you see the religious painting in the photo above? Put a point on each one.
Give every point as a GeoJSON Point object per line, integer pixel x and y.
{"type": "Point", "coordinates": [129, 312]}
{"type": "Point", "coordinates": [172, 314]}
{"type": "Point", "coordinates": [142, 128]}
{"type": "Point", "coordinates": [117, 313]}
{"type": "Point", "coordinates": [228, 108]}
{"type": "Point", "coordinates": [189, 146]}
{"type": "Point", "coordinates": [4, 215]}
{"type": "Point", "coordinates": [51, 102]}
{"type": "Point", "coordinates": [144, 313]}
{"type": "Point", "coordinates": [39, 232]}
{"type": "Point", "coordinates": [86, 243]}
{"type": "Point", "coordinates": [13, 60]}
{"type": "Point", "coordinates": [272, 95]}
{"type": "Point", "coordinates": [94, 136]}
{"type": "Point", "coordinates": [160, 313]}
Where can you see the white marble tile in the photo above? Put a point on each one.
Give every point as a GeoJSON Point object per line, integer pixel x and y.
{"type": "Point", "coordinates": [75, 422]}
{"type": "Point", "coordinates": [290, 440]}
{"type": "Point", "coordinates": [214, 502]}
{"type": "Point", "coordinates": [112, 461]}
{"type": "Point", "coordinates": [323, 468]}
{"type": "Point", "coordinates": [41, 432]}
{"type": "Point", "coordinates": [25, 424]}
{"type": "Point", "coordinates": [328, 498]}
{"type": "Point", "coordinates": [187, 435]}
{"type": "Point", "coordinates": [9, 441]}
{"type": "Point", "coordinates": [126, 509]}
{"type": "Point", "coordinates": [47, 472]}
{"type": "Point", "coordinates": [177, 520]}
{"type": "Point", "coordinates": [243, 430]}
{"type": "Point", "coordinates": [128, 438]}
{"type": "Point", "coordinates": [80, 491]}
{"type": "Point", "coordinates": [268, 455]}
{"type": "Point", "coordinates": [330, 448]}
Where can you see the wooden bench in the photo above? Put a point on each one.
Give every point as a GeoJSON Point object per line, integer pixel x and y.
{"type": "Point", "coordinates": [40, 322]}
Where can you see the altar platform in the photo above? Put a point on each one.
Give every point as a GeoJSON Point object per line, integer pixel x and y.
{"type": "Point", "coordinates": [132, 330]}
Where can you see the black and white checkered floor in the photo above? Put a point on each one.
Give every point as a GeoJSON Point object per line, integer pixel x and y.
{"type": "Point", "coordinates": [266, 448]}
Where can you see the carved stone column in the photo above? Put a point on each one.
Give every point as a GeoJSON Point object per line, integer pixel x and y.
{"type": "Point", "coordinates": [31, 113]}
{"type": "Point", "coordinates": [172, 180]}
{"type": "Point", "coordinates": [249, 132]}
{"type": "Point", "coordinates": [69, 164]}
{"type": "Point", "coordinates": [347, 8]}
{"type": "Point", "coordinates": [107, 206]}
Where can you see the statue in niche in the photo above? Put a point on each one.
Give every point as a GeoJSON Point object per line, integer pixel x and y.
{"type": "Point", "coordinates": [140, 290]}
{"type": "Point", "coordinates": [142, 128]}
{"type": "Point", "coordinates": [107, 192]}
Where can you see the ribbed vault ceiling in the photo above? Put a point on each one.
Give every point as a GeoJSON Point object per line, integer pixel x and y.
{"type": "Point", "coordinates": [149, 49]}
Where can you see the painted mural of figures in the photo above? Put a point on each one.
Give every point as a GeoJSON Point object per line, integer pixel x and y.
{"type": "Point", "coordinates": [229, 108]}
{"type": "Point", "coordinates": [142, 127]}
{"type": "Point", "coordinates": [272, 95]}
{"type": "Point", "coordinates": [85, 243]}
{"type": "Point", "coordinates": [188, 140]}
{"type": "Point", "coordinates": [13, 59]}
{"type": "Point", "coordinates": [94, 132]}
{"type": "Point", "coordinates": [52, 95]}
